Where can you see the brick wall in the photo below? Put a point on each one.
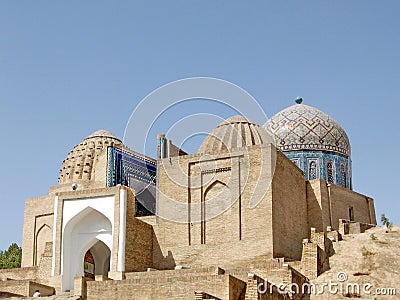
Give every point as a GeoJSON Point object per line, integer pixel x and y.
{"type": "Point", "coordinates": [219, 286]}
{"type": "Point", "coordinates": [19, 273]}
{"type": "Point", "coordinates": [139, 240]}
{"type": "Point", "coordinates": [239, 234]}
{"type": "Point", "coordinates": [333, 203]}
{"type": "Point", "coordinates": [349, 227]}
{"type": "Point", "coordinates": [289, 211]}
{"type": "Point", "coordinates": [25, 288]}
{"type": "Point", "coordinates": [316, 253]}
{"type": "Point", "coordinates": [38, 213]}
{"type": "Point", "coordinates": [265, 292]}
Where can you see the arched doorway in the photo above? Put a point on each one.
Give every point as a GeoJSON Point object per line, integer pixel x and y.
{"type": "Point", "coordinates": [89, 230]}
{"type": "Point", "coordinates": [89, 265]}
{"type": "Point", "coordinates": [97, 260]}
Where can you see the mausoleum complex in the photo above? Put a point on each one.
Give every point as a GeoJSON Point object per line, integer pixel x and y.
{"type": "Point", "coordinates": [257, 202]}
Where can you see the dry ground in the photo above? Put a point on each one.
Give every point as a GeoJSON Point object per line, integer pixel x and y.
{"type": "Point", "coordinates": [372, 258]}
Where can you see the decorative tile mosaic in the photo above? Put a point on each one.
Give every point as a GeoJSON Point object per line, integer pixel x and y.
{"type": "Point", "coordinates": [138, 173]}
{"type": "Point", "coordinates": [122, 165]}
{"type": "Point", "coordinates": [314, 164]}
{"type": "Point", "coordinates": [302, 127]}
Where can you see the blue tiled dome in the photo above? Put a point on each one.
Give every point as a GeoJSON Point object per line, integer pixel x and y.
{"type": "Point", "coordinates": [302, 127]}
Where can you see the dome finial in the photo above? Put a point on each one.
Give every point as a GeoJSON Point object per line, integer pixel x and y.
{"type": "Point", "coordinates": [299, 100]}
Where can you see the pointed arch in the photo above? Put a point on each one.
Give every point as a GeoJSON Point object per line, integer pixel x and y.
{"type": "Point", "coordinates": [343, 174]}
{"type": "Point", "coordinates": [81, 233]}
{"type": "Point", "coordinates": [43, 235]}
{"type": "Point", "coordinates": [213, 185]}
{"type": "Point", "coordinates": [312, 171]}
{"type": "Point", "coordinates": [43, 226]}
{"type": "Point", "coordinates": [217, 201]}
{"type": "Point", "coordinates": [101, 254]}
{"type": "Point", "coordinates": [82, 214]}
{"type": "Point", "coordinates": [330, 172]}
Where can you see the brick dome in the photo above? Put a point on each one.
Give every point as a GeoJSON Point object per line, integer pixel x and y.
{"type": "Point", "coordinates": [235, 132]}
{"type": "Point", "coordinates": [79, 164]}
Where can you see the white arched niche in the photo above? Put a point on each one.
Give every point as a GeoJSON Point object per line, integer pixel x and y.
{"type": "Point", "coordinates": [85, 228]}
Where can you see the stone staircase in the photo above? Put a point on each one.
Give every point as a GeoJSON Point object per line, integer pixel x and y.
{"type": "Point", "coordinates": [199, 283]}
{"type": "Point", "coordinates": [172, 284]}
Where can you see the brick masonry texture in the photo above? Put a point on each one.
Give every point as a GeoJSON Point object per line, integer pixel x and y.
{"type": "Point", "coordinates": [285, 237]}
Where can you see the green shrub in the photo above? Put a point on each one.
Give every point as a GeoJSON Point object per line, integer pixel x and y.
{"type": "Point", "coordinates": [11, 258]}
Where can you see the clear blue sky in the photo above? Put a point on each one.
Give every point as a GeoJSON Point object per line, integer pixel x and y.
{"type": "Point", "coordinates": [68, 68]}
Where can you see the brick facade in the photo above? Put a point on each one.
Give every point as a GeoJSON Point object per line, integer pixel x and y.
{"type": "Point", "coordinates": [226, 222]}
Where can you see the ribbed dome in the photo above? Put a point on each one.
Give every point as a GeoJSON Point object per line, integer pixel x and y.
{"type": "Point", "coordinates": [235, 132]}
{"type": "Point", "coordinates": [80, 161]}
{"type": "Point", "coordinates": [102, 133]}
{"type": "Point", "coordinates": [302, 127]}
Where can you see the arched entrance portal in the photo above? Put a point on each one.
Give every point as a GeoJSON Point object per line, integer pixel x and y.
{"type": "Point", "coordinates": [97, 260]}
{"type": "Point", "coordinates": [89, 230]}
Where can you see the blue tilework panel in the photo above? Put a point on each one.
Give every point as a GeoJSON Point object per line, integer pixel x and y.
{"type": "Point", "coordinates": [340, 172]}
{"type": "Point", "coordinates": [135, 172]}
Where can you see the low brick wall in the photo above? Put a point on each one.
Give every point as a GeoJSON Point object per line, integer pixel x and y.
{"type": "Point", "coordinates": [19, 273]}
{"type": "Point", "coordinates": [350, 227]}
{"type": "Point", "coordinates": [167, 287]}
{"type": "Point", "coordinates": [265, 292]}
{"type": "Point", "coordinates": [25, 288]}
{"type": "Point", "coordinates": [202, 296]}
{"type": "Point", "coordinates": [175, 273]}
{"type": "Point", "coordinates": [316, 252]}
